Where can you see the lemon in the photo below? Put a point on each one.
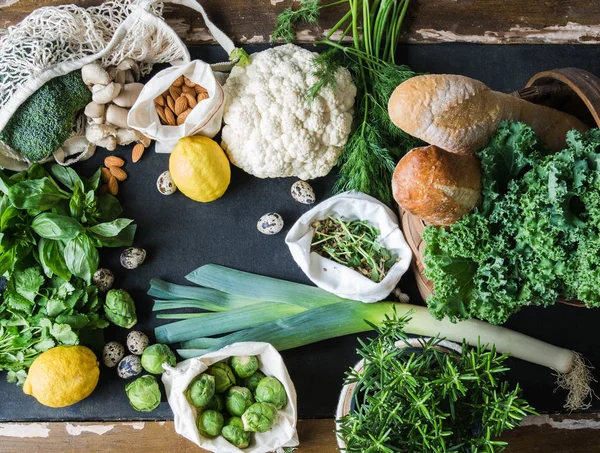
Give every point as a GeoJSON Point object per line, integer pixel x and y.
{"type": "Point", "coordinates": [62, 376]}
{"type": "Point", "coordinates": [199, 168]}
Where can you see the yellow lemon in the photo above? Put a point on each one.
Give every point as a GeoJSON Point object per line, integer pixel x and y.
{"type": "Point", "coordinates": [199, 168]}
{"type": "Point", "coordinates": [62, 376]}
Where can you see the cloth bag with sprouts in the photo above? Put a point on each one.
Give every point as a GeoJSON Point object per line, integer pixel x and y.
{"type": "Point", "coordinates": [53, 41]}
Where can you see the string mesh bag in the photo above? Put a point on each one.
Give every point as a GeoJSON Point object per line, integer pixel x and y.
{"type": "Point", "coordinates": [54, 41]}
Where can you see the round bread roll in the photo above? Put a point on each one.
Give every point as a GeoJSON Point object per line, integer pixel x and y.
{"type": "Point", "coordinates": [438, 186]}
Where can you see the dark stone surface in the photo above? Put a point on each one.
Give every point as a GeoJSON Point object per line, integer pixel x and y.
{"type": "Point", "coordinates": [181, 235]}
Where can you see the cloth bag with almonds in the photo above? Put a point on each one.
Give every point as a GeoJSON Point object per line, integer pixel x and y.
{"type": "Point", "coordinates": [178, 102]}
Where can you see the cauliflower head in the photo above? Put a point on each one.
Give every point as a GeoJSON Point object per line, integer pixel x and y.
{"type": "Point", "coordinates": [271, 129]}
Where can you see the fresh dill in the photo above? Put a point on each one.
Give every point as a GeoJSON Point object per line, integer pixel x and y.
{"type": "Point", "coordinates": [285, 24]}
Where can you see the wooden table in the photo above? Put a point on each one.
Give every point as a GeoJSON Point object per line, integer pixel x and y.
{"type": "Point", "coordinates": [250, 21]}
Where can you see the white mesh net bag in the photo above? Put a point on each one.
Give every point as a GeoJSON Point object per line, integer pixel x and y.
{"type": "Point", "coordinates": [53, 41]}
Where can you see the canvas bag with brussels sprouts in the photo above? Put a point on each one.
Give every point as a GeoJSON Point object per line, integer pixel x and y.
{"type": "Point", "coordinates": [177, 379]}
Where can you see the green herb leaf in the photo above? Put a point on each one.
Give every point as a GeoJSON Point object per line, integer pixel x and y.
{"type": "Point", "coordinates": [28, 282]}
{"type": "Point", "coordinates": [51, 255]}
{"type": "Point", "coordinates": [110, 229]}
{"type": "Point", "coordinates": [109, 208]}
{"type": "Point", "coordinates": [123, 239]}
{"type": "Point", "coordinates": [82, 257]}
{"type": "Point", "coordinates": [64, 334]}
{"type": "Point", "coordinates": [40, 194]}
{"type": "Point", "coordinates": [66, 176]}
{"type": "Point", "coordinates": [57, 227]}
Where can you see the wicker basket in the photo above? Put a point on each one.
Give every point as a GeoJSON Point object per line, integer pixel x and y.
{"type": "Point", "coordinates": [571, 90]}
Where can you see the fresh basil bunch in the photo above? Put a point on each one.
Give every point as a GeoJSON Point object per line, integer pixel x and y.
{"type": "Point", "coordinates": [61, 219]}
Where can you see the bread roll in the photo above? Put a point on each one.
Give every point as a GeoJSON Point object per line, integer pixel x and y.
{"type": "Point", "coordinates": [438, 186]}
{"type": "Point", "coordinates": [460, 114]}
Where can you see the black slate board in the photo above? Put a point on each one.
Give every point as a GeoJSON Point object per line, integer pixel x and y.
{"type": "Point", "coordinates": [181, 235]}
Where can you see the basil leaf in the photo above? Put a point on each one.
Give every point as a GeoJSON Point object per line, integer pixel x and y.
{"type": "Point", "coordinates": [9, 218]}
{"type": "Point", "coordinates": [109, 208]}
{"type": "Point", "coordinates": [110, 229]}
{"type": "Point", "coordinates": [7, 260]}
{"type": "Point", "coordinates": [76, 203]}
{"type": "Point", "coordinates": [54, 226]}
{"type": "Point", "coordinates": [36, 171]}
{"type": "Point", "coordinates": [51, 254]}
{"type": "Point", "coordinates": [40, 194]}
{"type": "Point", "coordinates": [123, 239]}
{"type": "Point", "coordinates": [66, 176]}
{"type": "Point", "coordinates": [5, 183]}
{"type": "Point", "coordinates": [82, 257]}
{"type": "Point", "coordinates": [92, 183]}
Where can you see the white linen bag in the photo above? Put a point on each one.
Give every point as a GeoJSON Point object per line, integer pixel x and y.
{"type": "Point", "coordinates": [204, 119]}
{"type": "Point", "coordinates": [339, 279]}
{"type": "Point", "coordinates": [176, 380]}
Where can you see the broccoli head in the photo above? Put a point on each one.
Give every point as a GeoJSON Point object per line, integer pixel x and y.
{"type": "Point", "coordinates": [46, 119]}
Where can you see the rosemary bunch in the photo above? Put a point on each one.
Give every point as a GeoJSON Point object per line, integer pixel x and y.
{"type": "Point", "coordinates": [353, 244]}
{"type": "Point", "coordinates": [429, 400]}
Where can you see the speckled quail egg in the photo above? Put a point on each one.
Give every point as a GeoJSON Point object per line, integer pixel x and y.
{"type": "Point", "coordinates": [137, 341]}
{"type": "Point", "coordinates": [112, 353]}
{"type": "Point", "coordinates": [165, 184]}
{"type": "Point", "coordinates": [130, 366]}
{"type": "Point", "coordinates": [270, 223]}
{"type": "Point", "coordinates": [303, 192]}
{"type": "Point", "coordinates": [132, 257]}
{"type": "Point", "coordinates": [103, 279]}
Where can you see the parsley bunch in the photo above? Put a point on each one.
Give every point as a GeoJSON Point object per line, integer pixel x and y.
{"type": "Point", "coordinates": [430, 400]}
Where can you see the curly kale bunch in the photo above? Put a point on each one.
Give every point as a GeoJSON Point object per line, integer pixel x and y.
{"type": "Point", "coordinates": [535, 237]}
{"type": "Point", "coordinates": [44, 121]}
{"type": "Point", "coordinates": [427, 400]}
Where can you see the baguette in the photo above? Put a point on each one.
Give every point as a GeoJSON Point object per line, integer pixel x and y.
{"type": "Point", "coordinates": [460, 114]}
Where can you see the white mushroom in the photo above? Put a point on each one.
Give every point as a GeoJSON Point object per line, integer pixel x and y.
{"type": "Point", "coordinates": [129, 64]}
{"type": "Point", "coordinates": [129, 77]}
{"type": "Point", "coordinates": [117, 115]}
{"type": "Point", "coordinates": [102, 135]}
{"type": "Point", "coordinates": [141, 138]}
{"type": "Point", "coordinates": [105, 94]}
{"type": "Point", "coordinates": [94, 110]}
{"type": "Point", "coordinates": [110, 143]}
{"type": "Point", "coordinates": [126, 136]}
{"type": "Point", "coordinates": [98, 120]}
{"type": "Point", "coordinates": [94, 74]}
{"type": "Point", "coordinates": [128, 95]}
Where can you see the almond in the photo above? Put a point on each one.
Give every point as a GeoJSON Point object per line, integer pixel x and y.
{"type": "Point", "coordinates": [191, 100]}
{"type": "Point", "coordinates": [105, 174]}
{"type": "Point", "coordinates": [113, 186]}
{"type": "Point", "coordinates": [103, 189]}
{"type": "Point", "coordinates": [175, 92]}
{"type": "Point", "coordinates": [160, 101]}
{"type": "Point", "coordinates": [199, 89]}
{"type": "Point", "coordinates": [181, 118]}
{"type": "Point", "coordinates": [137, 152]}
{"type": "Point", "coordinates": [170, 117]}
{"type": "Point", "coordinates": [178, 81]}
{"type": "Point", "coordinates": [118, 173]}
{"type": "Point", "coordinates": [188, 82]}
{"type": "Point", "coordinates": [188, 90]}
{"type": "Point", "coordinates": [171, 103]}
{"type": "Point", "coordinates": [181, 105]}
{"type": "Point", "coordinates": [161, 114]}
{"type": "Point", "coordinates": [202, 96]}
{"type": "Point", "coordinates": [114, 161]}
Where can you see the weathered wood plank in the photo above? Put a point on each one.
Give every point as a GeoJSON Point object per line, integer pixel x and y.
{"type": "Point", "coordinates": [480, 21]}
{"type": "Point", "coordinates": [560, 433]}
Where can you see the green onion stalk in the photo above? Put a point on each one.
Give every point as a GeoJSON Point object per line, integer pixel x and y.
{"type": "Point", "coordinates": [230, 306]}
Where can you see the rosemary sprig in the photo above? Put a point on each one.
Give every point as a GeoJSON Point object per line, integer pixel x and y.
{"type": "Point", "coordinates": [354, 244]}
{"type": "Point", "coordinates": [429, 400]}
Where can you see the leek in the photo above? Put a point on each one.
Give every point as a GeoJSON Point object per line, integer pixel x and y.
{"type": "Point", "coordinates": [293, 315]}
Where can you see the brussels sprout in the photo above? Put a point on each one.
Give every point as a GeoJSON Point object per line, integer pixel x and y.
{"type": "Point", "coordinates": [270, 390]}
{"type": "Point", "coordinates": [154, 356]}
{"type": "Point", "coordinates": [143, 393]}
{"type": "Point", "coordinates": [201, 390]}
{"type": "Point", "coordinates": [252, 381]}
{"type": "Point", "coordinates": [216, 403]}
{"type": "Point", "coordinates": [244, 366]}
{"type": "Point", "coordinates": [234, 433]}
{"type": "Point", "coordinates": [224, 377]}
{"type": "Point", "coordinates": [209, 423]}
{"type": "Point", "coordinates": [260, 417]}
{"type": "Point", "coordinates": [238, 399]}
{"type": "Point", "coordinates": [119, 308]}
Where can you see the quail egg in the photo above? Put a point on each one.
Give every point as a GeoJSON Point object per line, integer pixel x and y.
{"type": "Point", "coordinates": [165, 184]}
{"type": "Point", "coordinates": [103, 279]}
{"type": "Point", "coordinates": [137, 341]}
{"type": "Point", "coordinates": [303, 192]}
{"type": "Point", "coordinates": [132, 257]}
{"type": "Point", "coordinates": [270, 223]}
{"type": "Point", "coordinates": [112, 353]}
{"type": "Point", "coordinates": [130, 366]}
